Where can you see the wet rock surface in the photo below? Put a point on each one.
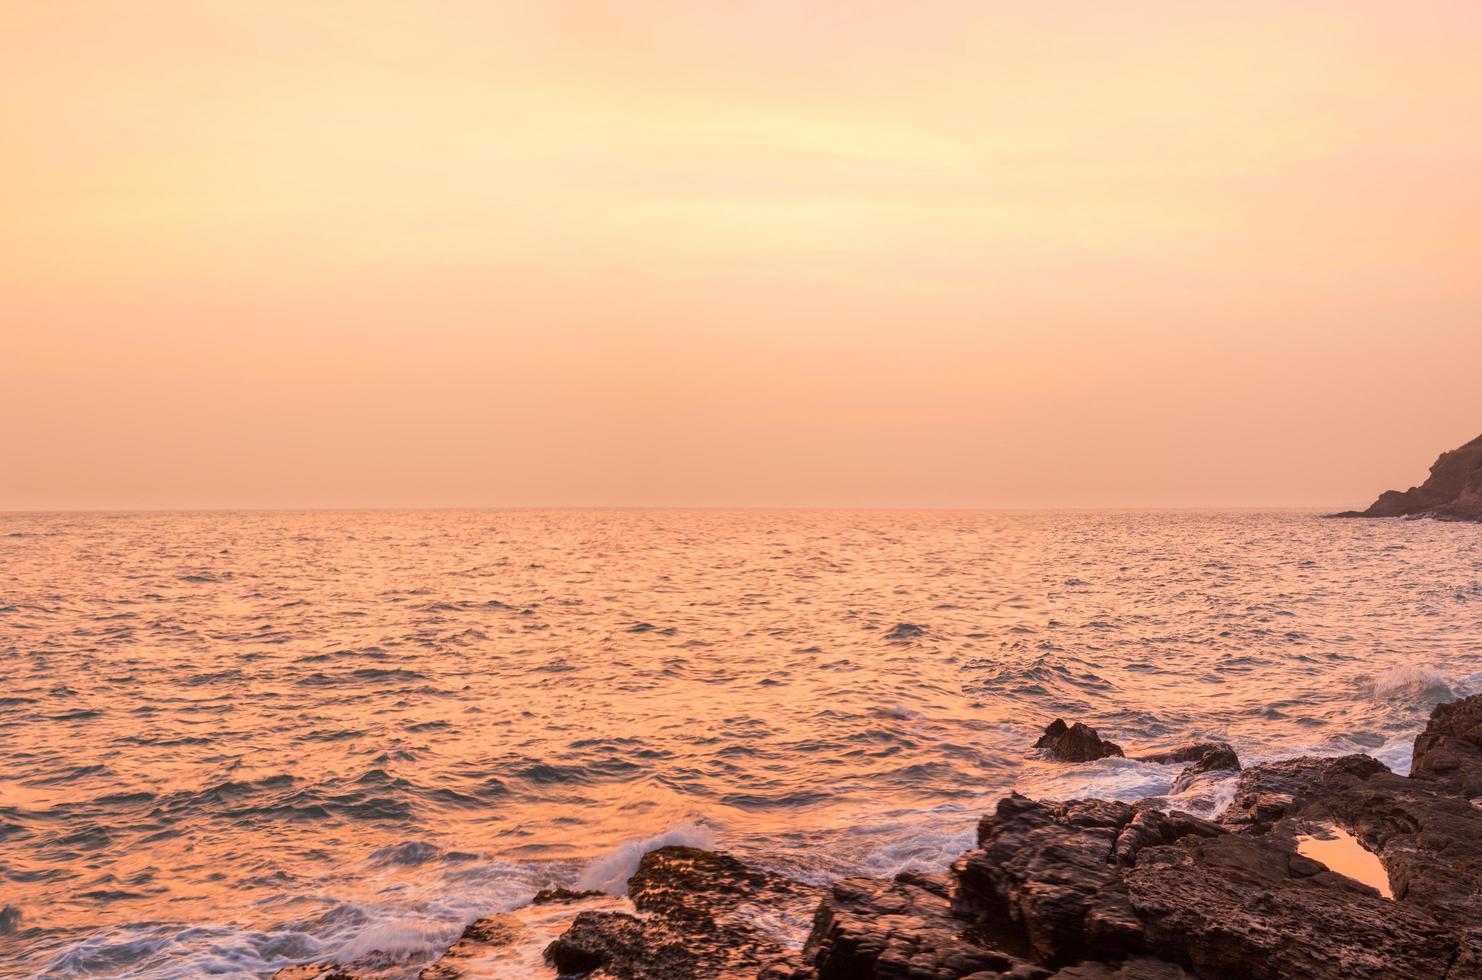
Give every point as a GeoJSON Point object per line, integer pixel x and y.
{"type": "Point", "coordinates": [1085, 890]}
{"type": "Point", "coordinates": [478, 938]}
{"type": "Point", "coordinates": [1098, 889]}
{"type": "Point", "coordinates": [900, 928]}
{"type": "Point", "coordinates": [1450, 748]}
{"type": "Point", "coordinates": [699, 919]}
{"type": "Point", "coordinates": [1204, 758]}
{"type": "Point", "coordinates": [1452, 491]}
{"type": "Point", "coordinates": [1075, 743]}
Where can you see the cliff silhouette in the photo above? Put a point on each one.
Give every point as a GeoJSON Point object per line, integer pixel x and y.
{"type": "Point", "coordinates": [1452, 492]}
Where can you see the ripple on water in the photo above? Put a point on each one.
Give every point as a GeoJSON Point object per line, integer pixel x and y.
{"type": "Point", "coordinates": [349, 733]}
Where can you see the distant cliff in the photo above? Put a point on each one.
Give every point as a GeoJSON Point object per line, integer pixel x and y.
{"type": "Point", "coordinates": [1453, 491]}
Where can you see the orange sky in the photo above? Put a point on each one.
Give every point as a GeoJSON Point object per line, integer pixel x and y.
{"type": "Point", "coordinates": [366, 253]}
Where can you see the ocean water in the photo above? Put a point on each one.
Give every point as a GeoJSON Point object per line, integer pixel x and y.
{"type": "Point", "coordinates": [229, 742]}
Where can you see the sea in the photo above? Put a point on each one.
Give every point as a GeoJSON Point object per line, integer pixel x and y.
{"type": "Point", "coordinates": [230, 742]}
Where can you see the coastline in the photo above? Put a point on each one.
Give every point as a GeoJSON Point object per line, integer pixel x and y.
{"type": "Point", "coordinates": [1080, 890]}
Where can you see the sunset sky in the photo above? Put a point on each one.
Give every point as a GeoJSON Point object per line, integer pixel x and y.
{"type": "Point", "coordinates": [752, 252]}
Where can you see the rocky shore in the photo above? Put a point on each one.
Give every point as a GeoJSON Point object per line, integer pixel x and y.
{"type": "Point", "coordinates": [1452, 492]}
{"type": "Point", "coordinates": [1084, 890]}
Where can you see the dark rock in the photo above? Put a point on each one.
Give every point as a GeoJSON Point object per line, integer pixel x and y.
{"type": "Point", "coordinates": [695, 923]}
{"type": "Point", "coordinates": [10, 920]}
{"type": "Point", "coordinates": [1453, 491]}
{"type": "Point", "coordinates": [1238, 906]}
{"type": "Point", "coordinates": [869, 929]}
{"type": "Point", "coordinates": [618, 940]}
{"type": "Point", "coordinates": [563, 896]}
{"type": "Point", "coordinates": [1138, 968]}
{"type": "Point", "coordinates": [316, 971]}
{"type": "Point", "coordinates": [1049, 878]}
{"type": "Point", "coordinates": [1265, 793]}
{"type": "Point", "coordinates": [1187, 753]}
{"type": "Point", "coordinates": [1216, 760]}
{"type": "Point", "coordinates": [1075, 743]}
{"type": "Point", "coordinates": [1426, 838]}
{"type": "Point", "coordinates": [1450, 748]}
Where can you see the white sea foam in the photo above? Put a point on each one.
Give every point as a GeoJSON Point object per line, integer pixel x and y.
{"type": "Point", "coordinates": [1108, 779]}
{"type": "Point", "coordinates": [1420, 681]}
{"type": "Point", "coordinates": [395, 941]}
{"type": "Point", "coordinates": [924, 847]}
{"type": "Point", "coordinates": [1397, 753]}
{"type": "Point", "coordinates": [538, 925]}
{"type": "Point", "coordinates": [610, 873]}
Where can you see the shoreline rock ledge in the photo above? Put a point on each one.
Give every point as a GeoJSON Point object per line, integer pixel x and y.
{"type": "Point", "coordinates": [1452, 492]}
{"type": "Point", "coordinates": [1087, 890]}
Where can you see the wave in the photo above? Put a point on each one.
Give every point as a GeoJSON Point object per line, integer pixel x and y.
{"type": "Point", "coordinates": [1412, 681]}
{"type": "Point", "coordinates": [610, 873]}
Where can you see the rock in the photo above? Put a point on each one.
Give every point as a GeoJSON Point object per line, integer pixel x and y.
{"type": "Point", "coordinates": [599, 939]}
{"type": "Point", "coordinates": [10, 920]}
{"type": "Point", "coordinates": [1238, 906]}
{"type": "Point", "coordinates": [698, 921]}
{"type": "Point", "coordinates": [1265, 793]}
{"type": "Point", "coordinates": [1092, 880]}
{"type": "Point", "coordinates": [1137, 968]}
{"type": "Point", "coordinates": [1206, 758]}
{"type": "Point", "coordinates": [1450, 748]}
{"type": "Point", "coordinates": [1217, 760]}
{"type": "Point", "coordinates": [1049, 878]}
{"type": "Point", "coordinates": [868, 929]}
{"type": "Point", "coordinates": [1453, 491]}
{"type": "Point", "coordinates": [1426, 837]}
{"type": "Point", "coordinates": [563, 896]}
{"type": "Point", "coordinates": [1075, 743]}
{"type": "Point", "coordinates": [316, 971]}
{"type": "Point", "coordinates": [477, 940]}
{"type": "Point", "coordinates": [1188, 753]}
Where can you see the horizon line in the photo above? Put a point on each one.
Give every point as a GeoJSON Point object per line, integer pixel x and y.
{"type": "Point", "coordinates": [946, 508]}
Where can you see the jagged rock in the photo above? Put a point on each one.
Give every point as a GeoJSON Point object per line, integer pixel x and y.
{"type": "Point", "coordinates": [618, 941]}
{"type": "Point", "coordinates": [695, 925]}
{"type": "Point", "coordinates": [563, 896]}
{"type": "Point", "coordinates": [1075, 743]}
{"type": "Point", "coordinates": [1050, 878]}
{"type": "Point", "coordinates": [1193, 752]}
{"type": "Point", "coordinates": [1218, 759]}
{"type": "Point", "coordinates": [1265, 793]}
{"type": "Point", "coordinates": [1453, 491]}
{"type": "Point", "coordinates": [903, 929]}
{"type": "Point", "coordinates": [1450, 748]}
{"type": "Point", "coordinates": [1239, 906]}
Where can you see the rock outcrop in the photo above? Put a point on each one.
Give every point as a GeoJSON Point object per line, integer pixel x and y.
{"type": "Point", "coordinates": [1204, 758]}
{"type": "Point", "coordinates": [699, 913]}
{"type": "Point", "coordinates": [1086, 889]}
{"type": "Point", "coordinates": [1450, 748]}
{"type": "Point", "coordinates": [1075, 743]}
{"type": "Point", "coordinates": [1452, 492]}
